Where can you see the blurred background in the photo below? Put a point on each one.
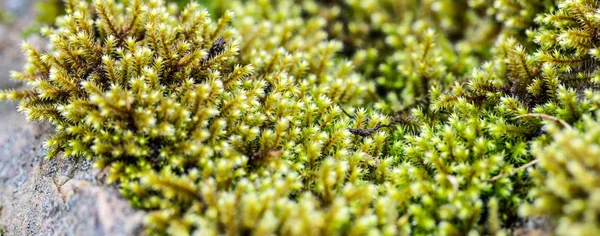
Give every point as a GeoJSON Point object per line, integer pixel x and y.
{"type": "Point", "coordinates": [17, 20]}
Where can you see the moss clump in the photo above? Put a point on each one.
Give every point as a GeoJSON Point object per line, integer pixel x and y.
{"type": "Point", "coordinates": [238, 126]}
{"type": "Point", "coordinates": [390, 39]}
{"type": "Point", "coordinates": [465, 125]}
{"type": "Point", "coordinates": [162, 99]}
{"type": "Point", "coordinates": [567, 181]}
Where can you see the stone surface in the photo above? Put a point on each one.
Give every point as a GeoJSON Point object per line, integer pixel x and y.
{"type": "Point", "coordinates": [41, 196]}
{"type": "Point", "coordinates": [54, 196]}
{"type": "Point", "coordinates": [536, 226]}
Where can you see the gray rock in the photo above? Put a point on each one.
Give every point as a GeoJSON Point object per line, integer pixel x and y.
{"type": "Point", "coordinates": [55, 196]}
{"type": "Point", "coordinates": [535, 226]}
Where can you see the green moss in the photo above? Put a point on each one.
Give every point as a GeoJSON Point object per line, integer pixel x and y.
{"type": "Point", "coordinates": [385, 36]}
{"type": "Point", "coordinates": [567, 187]}
{"type": "Point", "coordinates": [271, 122]}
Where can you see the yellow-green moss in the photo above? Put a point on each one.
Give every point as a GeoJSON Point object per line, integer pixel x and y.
{"type": "Point", "coordinates": [269, 121]}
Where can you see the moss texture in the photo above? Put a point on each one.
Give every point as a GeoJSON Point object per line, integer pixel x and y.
{"type": "Point", "coordinates": [329, 117]}
{"type": "Point", "coordinates": [569, 169]}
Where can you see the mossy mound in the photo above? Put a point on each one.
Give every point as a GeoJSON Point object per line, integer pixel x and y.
{"type": "Point", "coordinates": [321, 117]}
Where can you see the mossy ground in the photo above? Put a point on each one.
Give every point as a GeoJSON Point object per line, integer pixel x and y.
{"type": "Point", "coordinates": [326, 117]}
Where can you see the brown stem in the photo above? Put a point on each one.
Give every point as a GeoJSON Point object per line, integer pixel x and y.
{"type": "Point", "coordinates": [523, 167]}
{"type": "Point", "coordinates": [548, 117]}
